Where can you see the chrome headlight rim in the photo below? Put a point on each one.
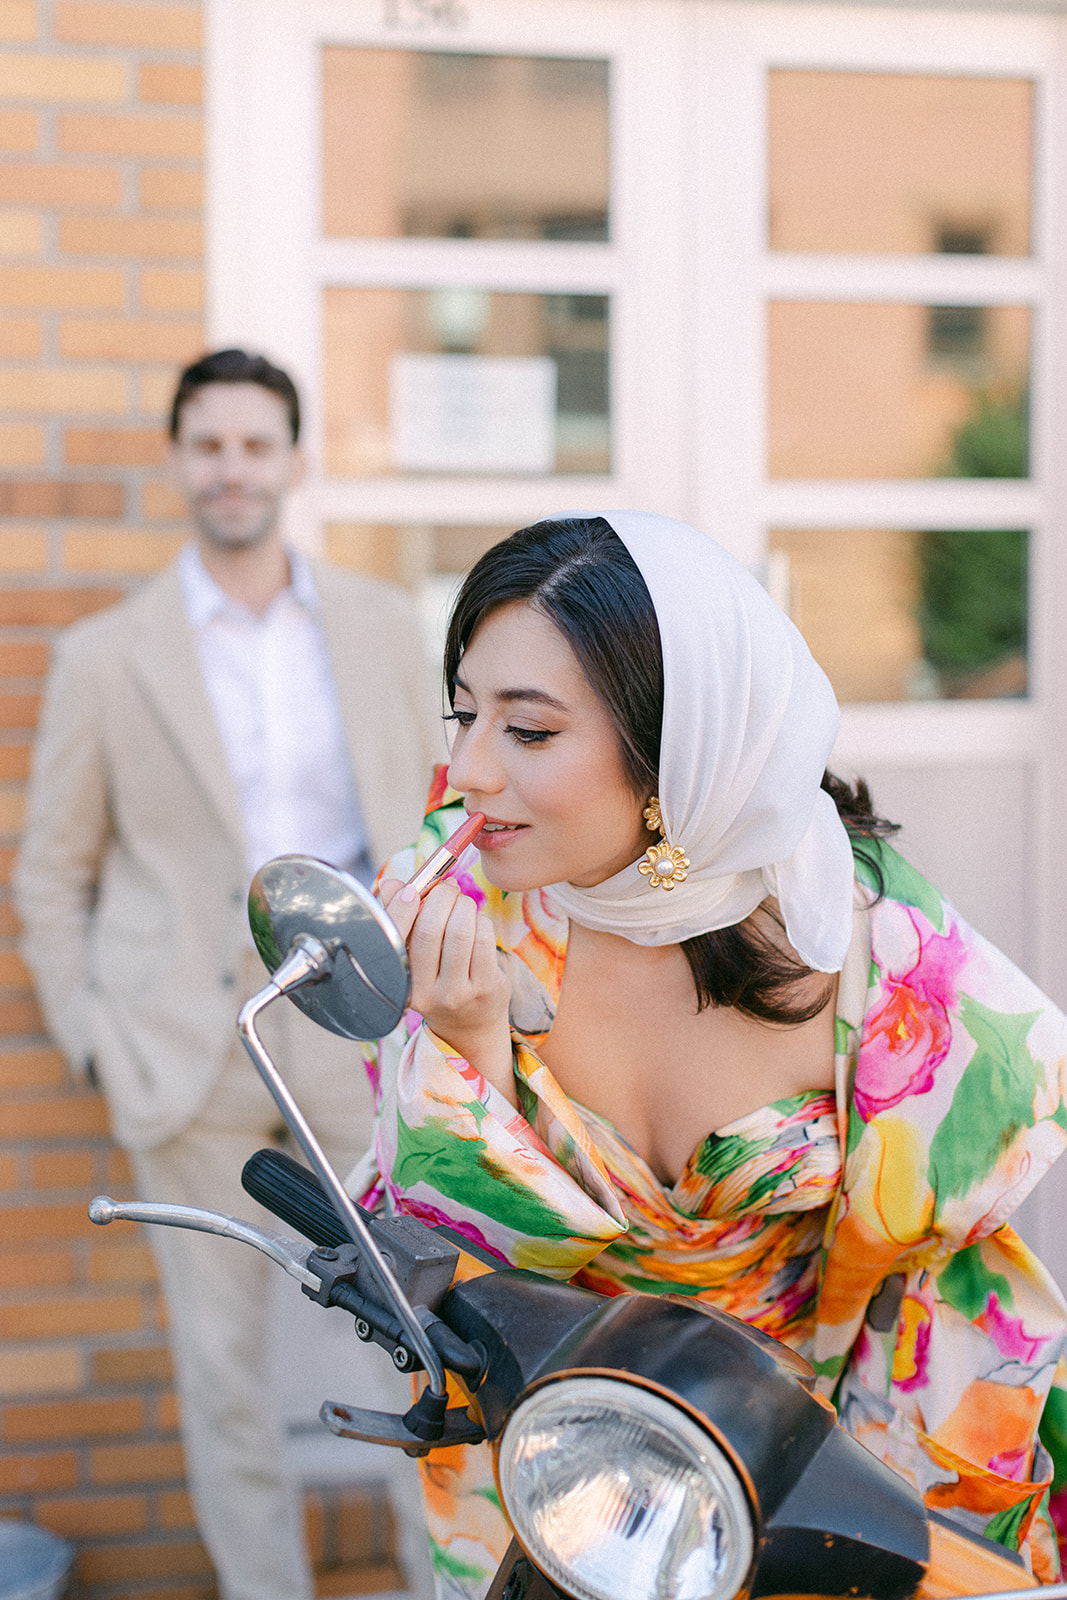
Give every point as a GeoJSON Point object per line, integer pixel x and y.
{"type": "Point", "coordinates": [681, 1421]}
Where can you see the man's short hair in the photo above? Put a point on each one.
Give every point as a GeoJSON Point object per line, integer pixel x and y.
{"type": "Point", "coordinates": [236, 366]}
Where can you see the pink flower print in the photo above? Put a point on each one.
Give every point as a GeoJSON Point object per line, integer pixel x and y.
{"type": "Point", "coordinates": [1014, 1464]}
{"type": "Point", "coordinates": [468, 886]}
{"type": "Point", "coordinates": [1009, 1335]}
{"type": "Point", "coordinates": [907, 1032]}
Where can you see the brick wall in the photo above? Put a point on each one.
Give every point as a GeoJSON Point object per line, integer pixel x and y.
{"type": "Point", "coordinates": [101, 290]}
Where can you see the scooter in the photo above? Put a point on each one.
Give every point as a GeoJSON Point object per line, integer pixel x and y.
{"type": "Point", "coordinates": [645, 1447]}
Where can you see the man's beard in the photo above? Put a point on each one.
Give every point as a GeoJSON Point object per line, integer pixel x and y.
{"type": "Point", "coordinates": [223, 536]}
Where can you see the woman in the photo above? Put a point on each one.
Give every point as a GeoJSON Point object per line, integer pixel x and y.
{"type": "Point", "coordinates": [691, 1025]}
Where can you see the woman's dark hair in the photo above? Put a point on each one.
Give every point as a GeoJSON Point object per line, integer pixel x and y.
{"type": "Point", "coordinates": [578, 573]}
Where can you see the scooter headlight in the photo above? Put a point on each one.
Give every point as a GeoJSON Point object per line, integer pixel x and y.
{"type": "Point", "coordinates": [617, 1494]}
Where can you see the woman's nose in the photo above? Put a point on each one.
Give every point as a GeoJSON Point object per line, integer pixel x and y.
{"type": "Point", "coordinates": [474, 768]}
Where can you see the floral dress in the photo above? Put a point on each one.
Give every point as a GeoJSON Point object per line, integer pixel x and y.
{"type": "Point", "coordinates": [866, 1228]}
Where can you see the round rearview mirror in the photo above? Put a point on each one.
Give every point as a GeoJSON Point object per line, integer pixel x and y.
{"type": "Point", "coordinates": [365, 991]}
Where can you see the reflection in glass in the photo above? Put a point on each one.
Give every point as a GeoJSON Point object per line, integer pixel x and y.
{"type": "Point", "coordinates": [909, 616]}
{"type": "Point", "coordinates": [437, 144]}
{"type": "Point", "coordinates": [888, 391]}
{"type": "Point", "coordinates": [888, 163]}
{"type": "Point", "coordinates": [465, 381]}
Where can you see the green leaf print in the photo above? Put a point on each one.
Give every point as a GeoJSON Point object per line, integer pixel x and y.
{"type": "Point", "coordinates": [901, 882]}
{"type": "Point", "coordinates": [461, 1169]}
{"type": "Point", "coordinates": [1005, 1527]}
{"type": "Point", "coordinates": [966, 1283]}
{"type": "Point", "coordinates": [1053, 1435]}
{"type": "Point", "coordinates": [992, 1103]}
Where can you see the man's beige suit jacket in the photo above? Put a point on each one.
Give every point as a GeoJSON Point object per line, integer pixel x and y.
{"type": "Point", "coordinates": [131, 877]}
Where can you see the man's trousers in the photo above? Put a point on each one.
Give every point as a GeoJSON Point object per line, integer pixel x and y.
{"type": "Point", "coordinates": [247, 1505]}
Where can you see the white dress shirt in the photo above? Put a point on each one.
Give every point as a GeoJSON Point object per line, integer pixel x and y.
{"type": "Point", "coordinates": [271, 685]}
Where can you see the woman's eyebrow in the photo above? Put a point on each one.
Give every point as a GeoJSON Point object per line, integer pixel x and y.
{"type": "Point", "coordinates": [537, 696]}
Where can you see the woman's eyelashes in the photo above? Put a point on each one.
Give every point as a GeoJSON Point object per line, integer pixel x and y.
{"type": "Point", "coordinates": [525, 736]}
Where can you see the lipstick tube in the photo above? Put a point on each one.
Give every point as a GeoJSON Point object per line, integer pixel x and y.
{"type": "Point", "coordinates": [444, 858]}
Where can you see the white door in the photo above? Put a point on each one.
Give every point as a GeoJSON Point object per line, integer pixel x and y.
{"type": "Point", "coordinates": [793, 273]}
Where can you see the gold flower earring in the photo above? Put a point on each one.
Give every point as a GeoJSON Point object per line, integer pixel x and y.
{"type": "Point", "coordinates": [664, 865]}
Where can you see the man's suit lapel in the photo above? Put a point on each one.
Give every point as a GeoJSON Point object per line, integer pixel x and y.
{"type": "Point", "coordinates": [365, 719]}
{"type": "Point", "coordinates": [162, 655]}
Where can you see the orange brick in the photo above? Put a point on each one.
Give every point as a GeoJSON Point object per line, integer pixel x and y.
{"type": "Point", "coordinates": [113, 1564]}
{"type": "Point", "coordinates": [67, 1419]}
{"type": "Point", "coordinates": [8, 1172]}
{"type": "Point", "coordinates": [51, 183]}
{"type": "Point", "coordinates": [51, 608]}
{"type": "Point", "coordinates": [59, 389]}
{"type": "Point", "coordinates": [26, 1069]}
{"type": "Point", "coordinates": [136, 1463]}
{"type": "Point", "coordinates": [162, 134]}
{"type": "Point", "coordinates": [161, 501]}
{"type": "Point", "coordinates": [41, 1369]}
{"type": "Point", "coordinates": [20, 336]}
{"type": "Point", "coordinates": [69, 1318]}
{"type": "Point", "coordinates": [14, 764]}
{"type": "Point", "coordinates": [26, 1474]}
{"type": "Point", "coordinates": [22, 658]}
{"type": "Point", "coordinates": [168, 1414]}
{"type": "Point", "coordinates": [18, 710]}
{"type": "Point", "coordinates": [157, 390]}
{"type": "Point", "coordinates": [145, 237]}
{"type": "Point", "coordinates": [63, 1169]}
{"type": "Point", "coordinates": [129, 340]}
{"type": "Point", "coordinates": [119, 550]}
{"type": "Point", "coordinates": [122, 1263]}
{"type": "Point", "coordinates": [177, 290]}
{"type": "Point", "coordinates": [13, 970]}
{"type": "Point", "coordinates": [12, 815]}
{"type": "Point", "coordinates": [23, 550]}
{"type": "Point", "coordinates": [79, 1517]}
{"type": "Point", "coordinates": [119, 1171]}
{"type": "Point", "coordinates": [146, 1364]}
{"type": "Point", "coordinates": [114, 447]}
{"type": "Point", "coordinates": [18, 21]}
{"type": "Point", "coordinates": [72, 1117]}
{"type": "Point", "coordinates": [19, 1016]}
{"type": "Point", "coordinates": [159, 27]}
{"type": "Point", "coordinates": [24, 1225]}
{"type": "Point", "coordinates": [22, 444]}
{"type": "Point", "coordinates": [52, 288]}
{"type": "Point", "coordinates": [38, 1269]}
{"type": "Point", "coordinates": [175, 1509]}
{"type": "Point", "coordinates": [170, 84]}
{"type": "Point", "coordinates": [60, 497]}
{"type": "Point", "coordinates": [21, 234]}
{"type": "Point", "coordinates": [171, 189]}
{"type": "Point", "coordinates": [19, 130]}
{"type": "Point", "coordinates": [24, 76]}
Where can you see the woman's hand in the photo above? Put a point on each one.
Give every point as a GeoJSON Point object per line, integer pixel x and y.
{"type": "Point", "coordinates": [457, 981]}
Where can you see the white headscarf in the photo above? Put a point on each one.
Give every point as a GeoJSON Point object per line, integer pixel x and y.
{"type": "Point", "coordinates": [749, 720]}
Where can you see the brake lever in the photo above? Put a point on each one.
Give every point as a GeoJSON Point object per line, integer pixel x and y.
{"type": "Point", "coordinates": [289, 1254]}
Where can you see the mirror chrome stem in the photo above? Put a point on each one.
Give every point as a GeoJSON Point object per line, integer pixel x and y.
{"type": "Point", "coordinates": [307, 962]}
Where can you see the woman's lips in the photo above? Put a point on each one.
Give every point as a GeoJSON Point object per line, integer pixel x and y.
{"type": "Point", "coordinates": [495, 835]}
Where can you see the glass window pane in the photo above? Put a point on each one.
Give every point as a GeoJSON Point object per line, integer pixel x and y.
{"type": "Point", "coordinates": [465, 381]}
{"type": "Point", "coordinates": [434, 144]}
{"type": "Point", "coordinates": [428, 559]}
{"type": "Point", "coordinates": [897, 391]}
{"type": "Point", "coordinates": [909, 616]}
{"type": "Point", "coordinates": [899, 163]}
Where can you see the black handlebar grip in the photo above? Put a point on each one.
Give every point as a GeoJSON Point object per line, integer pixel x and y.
{"type": "Point", "coordinates": [291, 1192]}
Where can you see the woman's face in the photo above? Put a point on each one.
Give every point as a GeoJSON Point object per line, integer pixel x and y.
{"type": "Point", "coordinates": [535, 749]}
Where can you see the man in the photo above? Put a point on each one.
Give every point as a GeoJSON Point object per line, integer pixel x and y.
{"type": "Point", "coordinates": [244, 704]}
